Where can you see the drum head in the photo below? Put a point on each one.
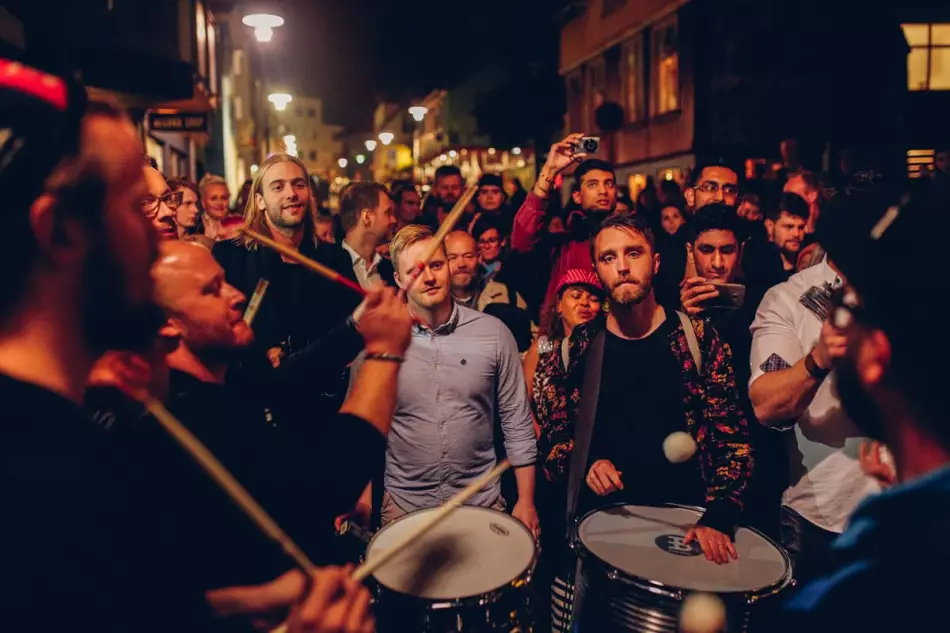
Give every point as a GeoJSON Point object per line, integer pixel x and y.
{"type": "Point", "coordinates": [473, 552]}
{"type": "Point", "coordinates": [647, 543]}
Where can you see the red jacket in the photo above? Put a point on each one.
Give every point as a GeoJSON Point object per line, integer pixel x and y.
{"type": "Point", "coordinates": [526, 235]}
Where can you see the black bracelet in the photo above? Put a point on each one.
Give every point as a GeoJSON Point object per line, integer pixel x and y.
{"type": "Point", "coordinates": [389, 358]}
{"type": "Point", "coordinates": [816, 372]}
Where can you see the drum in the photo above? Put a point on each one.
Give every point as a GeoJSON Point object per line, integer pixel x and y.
{"type": "Point", "coordinates": [634, 571]}
{"type": "Point", "coordinates": [469, 573]}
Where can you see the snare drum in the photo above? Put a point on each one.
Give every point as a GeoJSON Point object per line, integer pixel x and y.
{"type": "Point", "coordinates": [634, 571]}
{"type": "Point", "coordinates": [469, 573]}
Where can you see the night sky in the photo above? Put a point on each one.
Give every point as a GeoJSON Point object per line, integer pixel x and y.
{"type": "Point", "coordinates": [351, 52]}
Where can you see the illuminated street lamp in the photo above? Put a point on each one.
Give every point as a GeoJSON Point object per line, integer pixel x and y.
{"type": "Point", "coordinates": [386, 137]}
{"type": "Point", "coordinates": [263, 25]}
{"type": "Point", "coordinates": [418, 112]}
{"type": "Point", "coordinates": [370, 145]}
{"type": "Point", "coordinates": [280, 100]}
{"type": "Point", "coordinates": [515, 150]}
{"type": "Point", "coordinates": [360, 159]}
{"type": "Point", "coordinates": [342, 163]}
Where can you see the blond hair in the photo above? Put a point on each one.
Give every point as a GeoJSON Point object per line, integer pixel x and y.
{"type": "Point", "coordinates": [254, 217]}
{"type": "Point", "coordinates": [209, 180]}
{"type": "Point", "coordinates": [406, 237]}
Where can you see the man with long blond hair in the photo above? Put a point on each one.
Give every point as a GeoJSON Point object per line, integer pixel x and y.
{"type": "Point", "coordinates": [298, 307]}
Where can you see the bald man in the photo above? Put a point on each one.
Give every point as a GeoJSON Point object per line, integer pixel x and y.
{"type": "Point", "coordinates": [304, 471]}
{"type": "Point", "coordinates": [160, 204]}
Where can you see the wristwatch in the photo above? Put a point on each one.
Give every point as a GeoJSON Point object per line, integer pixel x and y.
{"type": "Point", "coordinates": [812, 367]}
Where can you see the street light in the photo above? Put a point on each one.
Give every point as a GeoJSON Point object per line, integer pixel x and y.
{"type": "Point", "coordinates": [280, 100]}
{"type": "Point", "coordinates": [386, 137]}
{"type": "Point", "coordinates": [263, 25]}
{"type": "Point", "coordinates": [453, 153]}
{"type": "Point", "coordinates": [370, 145]}
{"type": "Point", "coordinates": [418, 112]}
{"type": "Point", "coordinates": [342, 163]}
{"type": "Point", "coordinates": [360, 159]}
{"type": "Point", "coordinates": [515, 150]}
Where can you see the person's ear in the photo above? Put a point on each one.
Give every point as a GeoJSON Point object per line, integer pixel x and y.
{"type": "Point", "coordinates": [259, 201]}
{"type": "Point", "coordinates": [61, 239]}
{"type": "Point", "coordinates": [873, 358]}
{"type": "Point", "coordinates": [690, 194]}
{"type": "Point", "coordinates": [576, 196]}
{"type": "Point", "coordinates": [656, 263]}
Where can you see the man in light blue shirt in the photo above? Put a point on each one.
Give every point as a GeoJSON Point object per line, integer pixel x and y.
{"type": "Point", "coordinates": [461, 369]}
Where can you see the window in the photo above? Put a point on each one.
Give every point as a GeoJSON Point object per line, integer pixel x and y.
{"type": "Point", "coordinates": [610, 6]}
{"type": "Point", "coordinates": [632, 73]}
{"type": "Point", "coordinates": [575, 101]}
{"type": "Point", "coordinates": [238, 104]}
{"type": "Point", "coordinates": [666, 61]}
{"type": "Point", "coordinates": [920, 162]}
{"type": "Point", "coordinates": [212, 58]}
{"type": "Point", "coordinates": [928, 63]}
{"type": "Point", "coordinates": [237, 62]}
{"type": "Point", "coordinates": [201, 28]}
{"type": "Point", "coordinates": [596, 85]}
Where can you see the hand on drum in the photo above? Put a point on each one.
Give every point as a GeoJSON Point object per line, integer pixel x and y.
{"type": "Point", "coordinates": [716, 546]}
{"type": "Point", "coordinates": [604, 478]}
{"type": "Point", "coordinates": [528, 514]}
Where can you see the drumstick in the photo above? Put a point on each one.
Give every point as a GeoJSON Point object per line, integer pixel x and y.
{"type": "Point", "coordinates": [200, 453]}
{"type": "Point", "coordinates": [370, 566]}
{"type": "Point", "coordinates": [444, 229]}
{"type": "Point", "coordinates": [255, 303]}
{"type": "Point", "coordinates": [303, 260]}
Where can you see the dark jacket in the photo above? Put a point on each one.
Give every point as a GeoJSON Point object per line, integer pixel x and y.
{"type": "Point", "coordinates": [888, 569]}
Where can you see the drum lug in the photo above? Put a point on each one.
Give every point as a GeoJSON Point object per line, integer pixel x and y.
{"type": "Point", "coordinates": [613, 576]}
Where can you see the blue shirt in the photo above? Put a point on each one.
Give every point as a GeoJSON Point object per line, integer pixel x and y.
{"type": "Point", "coordinates": [453, 382]}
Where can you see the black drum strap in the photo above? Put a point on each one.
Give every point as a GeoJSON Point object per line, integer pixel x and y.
{"type": "Point", "coordinates": [584, 427]}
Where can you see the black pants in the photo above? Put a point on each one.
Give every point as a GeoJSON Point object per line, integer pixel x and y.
{"type": "Point", "coordinates": [808, 545]}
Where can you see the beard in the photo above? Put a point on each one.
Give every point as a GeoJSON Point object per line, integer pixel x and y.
{"type": "Point", "coordinates": [110, 320]}
{"type": "Point", "coordinates": [856, 403]}
{"type": "Point", "coordinates": [630, 291]}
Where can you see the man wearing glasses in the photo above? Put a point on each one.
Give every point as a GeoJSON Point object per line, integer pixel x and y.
{"type": "Point", "coordinates": [712, 182]}
{"type": "Point", "coordinates": [160, 204]}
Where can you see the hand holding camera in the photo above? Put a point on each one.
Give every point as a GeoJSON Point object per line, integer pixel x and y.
{"type": "Point", "coordinates": [573, 149]}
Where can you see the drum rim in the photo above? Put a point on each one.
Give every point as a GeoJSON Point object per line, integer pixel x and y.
{"type": "Point", "coordinates": [678, 593]}
{"type": "Point", "coordinates": [476, 600]}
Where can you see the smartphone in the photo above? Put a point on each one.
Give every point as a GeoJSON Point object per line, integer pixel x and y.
{"type": "Point", "coordinates": [731, 297]}
{"type": "Point", "coordinates": [587, 145]}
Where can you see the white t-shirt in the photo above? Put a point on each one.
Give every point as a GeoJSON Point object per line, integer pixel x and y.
{"type": "Point", "coordinates": [826, 479]}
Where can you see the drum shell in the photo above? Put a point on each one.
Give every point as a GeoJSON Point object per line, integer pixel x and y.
{"type": "Point", "coordinates": [609, 599]}
{"type": "Point", "coordinates": [504, 608]}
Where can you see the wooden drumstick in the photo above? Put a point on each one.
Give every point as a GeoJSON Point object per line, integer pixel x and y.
{"type": "Point", "coordinates": [255, 302]}
{"type": "Point", "coordinates": [444, 229]}
{"type": "Point", "coordinates": [200, 453]}
{"type": "Point", "coordinates": [370, 566]}
{"type": "Point", "coordinates": [303, 260]}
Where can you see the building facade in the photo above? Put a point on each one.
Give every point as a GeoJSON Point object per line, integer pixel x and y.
{"type": "Point", "coordinates": [667, 82]}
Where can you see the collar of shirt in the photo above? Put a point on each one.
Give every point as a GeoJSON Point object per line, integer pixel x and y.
{"type": "Point", "coordinates": [358, 259]}
{"type": "Point", "coordinates": [490, 270]}
{"type": "Point", "coordinates": [446, 328]}
{"type": "Point", "coordinates": [829, 275]}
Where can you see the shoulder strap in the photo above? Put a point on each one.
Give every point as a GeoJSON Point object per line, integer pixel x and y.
{"type": "Point", "coordinates": [584, 426]}
{"type": "Point", "coordinates": [692, 341]}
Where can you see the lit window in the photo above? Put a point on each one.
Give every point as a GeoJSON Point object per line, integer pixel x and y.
{"type": "Point", "coordinates": [596, 84]}
{"type": "Point", "coordinates": [666, 67]}
{"type": "Point", "coordinates": [928, 63]}
{"type": "Point", "coordinates": [633, 79]}
{"type": "Point", "coordinates": [919, 162]}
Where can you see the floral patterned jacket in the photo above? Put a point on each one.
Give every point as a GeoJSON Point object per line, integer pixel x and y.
{"type": "Point", "coordinates": [714, 416]}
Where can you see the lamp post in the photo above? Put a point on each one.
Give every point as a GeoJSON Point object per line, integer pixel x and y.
{"type": "Point", "coordinates": [370, 145]}
{"type": "Point", "coordinates": [263, 25]}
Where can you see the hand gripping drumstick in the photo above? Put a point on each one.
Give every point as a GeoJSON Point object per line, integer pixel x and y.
{"type": "Point", "coordinates": [370, 566]}
{"type": "Point", "coordinates": [228, 483]}
{"type": "Point", "coordinates": [444, 229]}
{"type": "Point", "coordinates": [303, 260]}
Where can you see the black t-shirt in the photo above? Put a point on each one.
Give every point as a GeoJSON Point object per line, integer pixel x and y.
{"type": "Point", "coordinates": [641, 402]}
{"type": "Point", "coordinates": [81, 542]}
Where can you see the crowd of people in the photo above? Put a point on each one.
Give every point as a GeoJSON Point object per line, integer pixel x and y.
{"type": "Point", "coordinates": [568, 332]}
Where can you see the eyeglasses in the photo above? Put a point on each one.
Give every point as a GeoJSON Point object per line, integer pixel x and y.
{"type": "Point", "coordinates": [488, 241]}
{"type": "Point", "coordinates": [151, 204]}
{"type": "Point", "coordinates": [711, 186]}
